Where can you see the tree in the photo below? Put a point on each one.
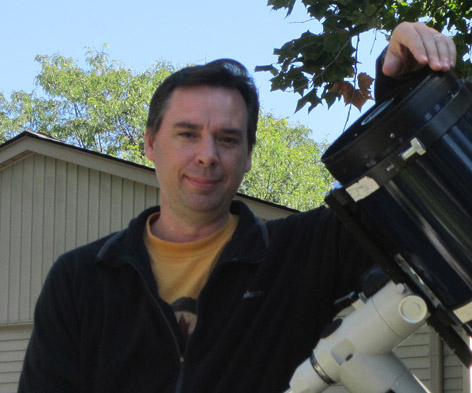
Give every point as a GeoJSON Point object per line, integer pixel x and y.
{"type": "Point", "coordinates": [286, 166]}
{"type": "Point", "coordinates": [319, 66]}
{"type": "Point", "coordinates": [102, 107]}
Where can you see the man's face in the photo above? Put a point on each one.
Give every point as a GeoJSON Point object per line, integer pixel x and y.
{"type": "Point", "coordinates": [201, 150]}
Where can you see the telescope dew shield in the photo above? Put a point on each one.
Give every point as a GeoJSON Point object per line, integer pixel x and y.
{"type": "Point", "coordinates": [405, 170]}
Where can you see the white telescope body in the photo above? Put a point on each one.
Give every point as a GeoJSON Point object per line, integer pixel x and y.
{"type": "Point", "coordinates": [356, 351]}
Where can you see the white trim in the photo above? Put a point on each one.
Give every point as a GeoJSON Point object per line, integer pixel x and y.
{"type": "Point", "coordinates": [16, 325]}
{"type": "Point", "coordinates": [25, 146]}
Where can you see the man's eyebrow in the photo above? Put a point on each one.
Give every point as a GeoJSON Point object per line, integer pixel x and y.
{"type": "Point", "coordinates": [193, 126]}
{"type": "Point", "coordinates": [232, 131]}
{"type": "Point", "coordinates": [186, 124]}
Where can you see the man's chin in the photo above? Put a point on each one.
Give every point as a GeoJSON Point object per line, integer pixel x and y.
{"type": "Point", "coordinates": [207, 204]}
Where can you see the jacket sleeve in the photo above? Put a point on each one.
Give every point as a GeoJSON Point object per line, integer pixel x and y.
{"type": "Point", "coordinates": [351, 259]}
{"type": "Point", "coordinates": [52, 358]}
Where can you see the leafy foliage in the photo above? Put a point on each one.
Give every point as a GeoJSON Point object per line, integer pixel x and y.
{"type": "Point", "coordinates": [286, 166]}
{"type": "Point", "coordinates": [312, 64]}
{"type": "Point", "coordinates": [102, 107]}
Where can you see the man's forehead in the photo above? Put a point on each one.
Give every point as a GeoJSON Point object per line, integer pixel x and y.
{"type": "Point", "coordinates": [198, 90]}
{"type": "Point", "coordinates": [209, 97]}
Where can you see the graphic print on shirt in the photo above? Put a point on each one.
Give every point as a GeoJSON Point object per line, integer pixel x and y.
{"type": "Point", "coordinates": [185, 309]}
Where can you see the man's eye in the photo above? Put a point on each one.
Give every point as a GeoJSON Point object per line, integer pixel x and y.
{"type": "Point", "coordinates": [186, 134]}
{"type": "Point", "coordinates": [230, 141]}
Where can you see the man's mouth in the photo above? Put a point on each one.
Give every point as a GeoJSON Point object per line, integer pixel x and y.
{"type": "Point", "coordinates": [202, 182]}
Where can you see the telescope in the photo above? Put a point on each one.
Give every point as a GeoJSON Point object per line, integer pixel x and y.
{"type": "Point", "coordinates": [404, 190]}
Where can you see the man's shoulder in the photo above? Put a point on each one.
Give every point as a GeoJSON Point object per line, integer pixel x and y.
{"type": "Point", "coordinates": [81, 258]}
{"type": "Point", "coordinates": [316, 216]}
{"type": "Point", "coordinates": [109, 246]}
{"type": "Point", "coordinates": [89, 249]}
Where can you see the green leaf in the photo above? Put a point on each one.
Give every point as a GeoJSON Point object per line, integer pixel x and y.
{"type": "Point", "coordinates": [278, 4]}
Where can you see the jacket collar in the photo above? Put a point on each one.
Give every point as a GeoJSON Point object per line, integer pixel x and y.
{"type": "Point", "coordinates": [248, 244]}
{"type": "Point", "coordinates": [250, 239]}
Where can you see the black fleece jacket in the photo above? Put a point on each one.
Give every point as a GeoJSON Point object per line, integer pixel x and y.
{"type": "Point", "coordinates": [101, 327]}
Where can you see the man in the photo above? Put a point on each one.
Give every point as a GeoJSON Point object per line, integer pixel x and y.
{"type": "Point", "coordinates": [197, 295]}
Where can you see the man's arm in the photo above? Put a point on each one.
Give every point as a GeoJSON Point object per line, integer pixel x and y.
{"type": "Point", "coordinates": [52, 362]}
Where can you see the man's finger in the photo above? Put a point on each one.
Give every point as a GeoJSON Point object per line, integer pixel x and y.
{"type": "Point", "coordinates": [443, 51]}
{"type": "Point", "coordinates": [435, 48]}
{"type": "Point", "coordinates": [452, 52]}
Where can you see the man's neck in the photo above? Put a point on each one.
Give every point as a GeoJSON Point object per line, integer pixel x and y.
{"type": "Point", "coordinates": [168, 228]}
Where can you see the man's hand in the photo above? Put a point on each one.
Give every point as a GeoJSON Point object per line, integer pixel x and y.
{"type": "Point", "coordinates": [415, 45]}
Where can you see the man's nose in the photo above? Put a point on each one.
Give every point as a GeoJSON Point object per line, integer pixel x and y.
{"type": "Point", "coordinates": [207, 153]}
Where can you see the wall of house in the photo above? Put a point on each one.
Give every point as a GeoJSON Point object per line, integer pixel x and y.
{"type": "Point", "coordinates": [13, 342]}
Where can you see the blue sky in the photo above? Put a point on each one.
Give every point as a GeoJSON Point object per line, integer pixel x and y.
{"type": "Point", "coordinates": [180, 31]}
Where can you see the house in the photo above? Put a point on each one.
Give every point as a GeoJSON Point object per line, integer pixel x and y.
{"type": "Point", "coordinates": [55, 197]}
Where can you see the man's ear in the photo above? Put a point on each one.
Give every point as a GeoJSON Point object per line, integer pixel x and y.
{"type": "Point", "coordinates": [149, 143]}
{"type": "Point", "coordinates": [249, 161]}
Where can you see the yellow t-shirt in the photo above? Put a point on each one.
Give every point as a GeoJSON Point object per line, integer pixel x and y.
{"type": "Point", "coordinates": [182, 269]}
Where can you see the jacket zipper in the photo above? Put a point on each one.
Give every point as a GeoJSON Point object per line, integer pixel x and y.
{"type": "Point", "coordinates": [187, 345]}
{"type": "Point", "coordinates": [180, 356]}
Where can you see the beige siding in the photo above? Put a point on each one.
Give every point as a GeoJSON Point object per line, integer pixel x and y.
{"type": "Point", "coordinates": [453, 372]}
{"type": "Point", "coordinates": [414, 352]}
{"type": "Point", "coordinates": [49, 206]}
{"type": "Point", "coordinates": [13, 343]}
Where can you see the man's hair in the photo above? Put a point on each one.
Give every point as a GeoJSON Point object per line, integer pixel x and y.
{"type": "Point", "coordinates": [225, 73]}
